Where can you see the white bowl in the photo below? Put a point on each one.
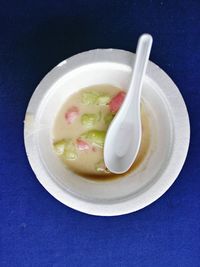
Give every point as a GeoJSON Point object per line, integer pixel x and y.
{"type": "Point", "coordinates": [170, 132]}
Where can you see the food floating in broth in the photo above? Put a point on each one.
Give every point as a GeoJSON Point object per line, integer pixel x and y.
{"type": "Point", "coordinates": [80, 129]}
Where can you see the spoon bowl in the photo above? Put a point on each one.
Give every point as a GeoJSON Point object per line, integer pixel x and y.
{"type": "Point", "coordinates": [124, 134]}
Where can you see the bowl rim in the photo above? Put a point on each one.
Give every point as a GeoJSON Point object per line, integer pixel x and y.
{"type": "Point", "coordinates": [180, 120]}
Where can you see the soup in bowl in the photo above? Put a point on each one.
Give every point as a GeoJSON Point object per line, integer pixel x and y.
{"type": "Point", "coordinates": [80, 129]}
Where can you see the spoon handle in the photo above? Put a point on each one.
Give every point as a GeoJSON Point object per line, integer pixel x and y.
{"type": "Point", "coordinates": [142, 57]}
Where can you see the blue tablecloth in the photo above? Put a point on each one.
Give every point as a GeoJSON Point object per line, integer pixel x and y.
{"type": "Point", "coordinates": [37, 230]}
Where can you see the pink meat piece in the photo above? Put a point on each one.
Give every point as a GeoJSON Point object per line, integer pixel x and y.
{"type": "Point", "coordinates": [116, 102]}
{"type": "Point", "coordinates": [71, 114]}
{"type": "Point", "coordinates": [82, 145]}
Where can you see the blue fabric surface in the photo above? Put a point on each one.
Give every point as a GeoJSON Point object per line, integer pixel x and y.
{"type": "Point", "coordinates": [37, 230]}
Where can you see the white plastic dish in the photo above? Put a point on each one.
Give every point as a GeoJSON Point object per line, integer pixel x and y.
{"type": "Point", "coordinates": [169, 143]}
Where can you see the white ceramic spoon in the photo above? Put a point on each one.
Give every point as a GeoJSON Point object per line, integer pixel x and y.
{"type": "Point", "coordinates": [123, 138]}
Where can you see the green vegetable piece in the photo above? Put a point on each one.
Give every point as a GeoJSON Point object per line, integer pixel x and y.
{"type": "Point", "coordinates": [89, 98]}
{"type": "Point", "coordinates": [66, 149]}
{"type": "Point", "coordinates": [70, 151]}
{"type": "Point", "coordinates": [89, 120]}
{"type": "Point", "coordinates": [103, 100]}
{"type": "Point", "coordinates": [59, 147]}
{"type": "Point", "coordinates": [101, 167]}
{"type": "Point", "coordinates": [95, 137]}
{"type": "Point", "coordinates": [70, 155]}
{"type": "Point", "coordinates": [108, 118]}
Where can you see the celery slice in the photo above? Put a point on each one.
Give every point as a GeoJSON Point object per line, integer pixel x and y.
{"type": "Point", "coordinates": [92, 97]}
{"type": "Point", "coordinates": [70, 150]}
{"type": "Point", "coordinates": [103, 100]}
{"type": "Point", "coordinates": [59, 147]}
{"type": "Point", "coordinates": [89, 120]}
{"type": "Point", "coordinates": [95, 137]}
{"type": "Point", "coordinates": [89, 98]}
{"type": "Point", "coordinates": [70, 155]}
{"type": "Point", "coordinates": [66, 149]}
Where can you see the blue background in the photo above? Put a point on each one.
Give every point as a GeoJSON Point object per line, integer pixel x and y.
{"type": "Point", "coordinates": [37, 230]}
